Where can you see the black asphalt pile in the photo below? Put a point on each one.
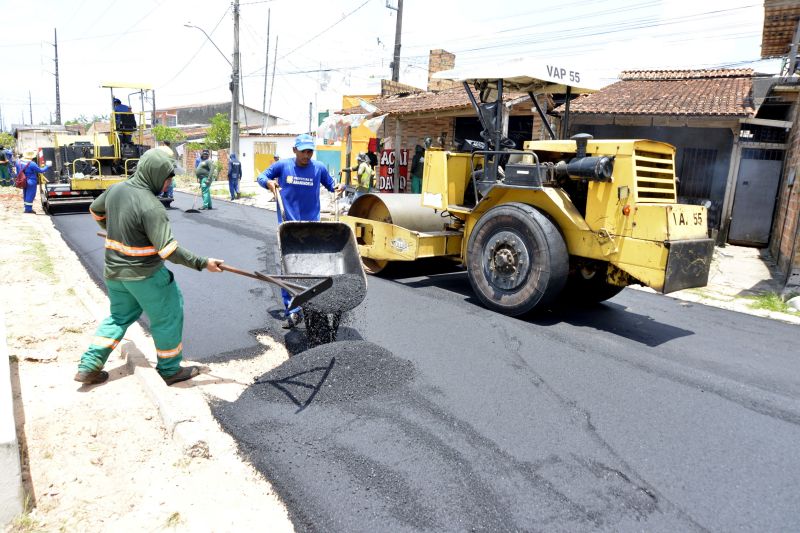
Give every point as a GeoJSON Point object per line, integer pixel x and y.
{"type": "Point", "coordinates": [356, 439]}
{"type": "Point", "coordinates": [333, 373]}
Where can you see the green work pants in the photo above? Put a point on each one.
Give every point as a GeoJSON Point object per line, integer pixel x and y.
{"type": "Point", "coordinates": [159, 297]}
{"type": "Point", "coordinates": [416, 184]}
{"type": "Point", "coordinates": [5, 174]}
{"type": "Point", "coordinates": [205, 189]}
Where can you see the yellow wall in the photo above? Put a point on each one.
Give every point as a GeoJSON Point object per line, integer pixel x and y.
{"type": "Point", "coordinates": [262, 162]}
{"type": "Point", "coordinates": [352, 100]}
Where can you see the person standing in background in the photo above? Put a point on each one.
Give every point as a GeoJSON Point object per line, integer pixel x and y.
{"type": "Point", "coordinates": [234, 175]}
{"type": "Point", "coordinates": [417, 166]}
{"type": "Point", "coordinates": [205, 175]}
{"type": "Point", "coordinates": [32, 171]}
{"type": "Point", "coordinates": [5, 168]}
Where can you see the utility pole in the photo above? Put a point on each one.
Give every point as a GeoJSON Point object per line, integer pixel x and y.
{"type": "Point", "coordinates": [397, 33]}
{"type": "Point", "coordinates": [234, 149]}
{"type": "Point", "coordinates": [58, 93]}
{"type": "Point", "coordinates": [266, 72]}
{"type": "Point", "coordinates": [310, 111]}
{"type": "Point", "coordinates": [30, 106]}
{"type": "Point", "coordinates": [153, 115]}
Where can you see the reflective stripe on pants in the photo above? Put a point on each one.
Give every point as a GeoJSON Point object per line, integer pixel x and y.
{"type": "Point", "coordinates": [161, 299]}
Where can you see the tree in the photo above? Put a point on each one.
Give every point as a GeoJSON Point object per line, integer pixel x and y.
{"type": "Point", "coordinates": [165, 133]}
{"type": "Point", "coordinates": [6, 140]}
{"type": "Point", "coordinates": [218, 135]}
{"type": "Point", "coordinates": [84, 121]}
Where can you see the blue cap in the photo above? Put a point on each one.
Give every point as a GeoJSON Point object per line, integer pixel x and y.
{"type": "Point", "coordinates": [304, 141]}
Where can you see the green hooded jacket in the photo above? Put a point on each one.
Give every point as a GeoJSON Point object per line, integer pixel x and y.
{"type": "Point", "coordinates": [139, 237]}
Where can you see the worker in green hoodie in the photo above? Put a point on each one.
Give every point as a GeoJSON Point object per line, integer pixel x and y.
{"type": "Point", "coordinates": [138, 240]}
{"type": "Point", "coordinates": [205, 176]}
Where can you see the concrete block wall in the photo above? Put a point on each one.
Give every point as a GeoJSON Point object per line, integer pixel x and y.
{"type": "Point", "coordinates": [389, 88]}
{"type": "Point", "coordinates": [11, 494]}
{"type": "Point", "coordinates": [439, 60]}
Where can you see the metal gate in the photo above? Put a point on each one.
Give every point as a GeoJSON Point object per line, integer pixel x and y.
{"type": "Point", "coordinates": [754, 201]}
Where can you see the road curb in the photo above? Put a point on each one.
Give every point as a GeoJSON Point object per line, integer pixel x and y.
{"type": "Point", "coordinates": [11, 490]}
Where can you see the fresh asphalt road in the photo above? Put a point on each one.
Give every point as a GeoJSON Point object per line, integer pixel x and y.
{"type": "Point", "coordinates": [641, 414]}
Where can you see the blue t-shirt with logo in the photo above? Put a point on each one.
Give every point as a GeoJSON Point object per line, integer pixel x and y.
{"type": "Point", "coordinates": [299, 187]}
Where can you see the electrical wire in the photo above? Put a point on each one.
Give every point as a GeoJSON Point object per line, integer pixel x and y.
{"type": "Point", "coordinates": [198, 50]}
{"type": "Point", "coordinates": [323, 31]}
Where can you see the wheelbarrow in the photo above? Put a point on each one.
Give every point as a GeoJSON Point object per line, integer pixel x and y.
{"type": "Point", "coordinates": [310, 250]}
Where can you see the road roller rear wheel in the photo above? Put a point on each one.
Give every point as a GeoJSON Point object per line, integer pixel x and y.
{"type": "Point", "coordinates": [373, 266]}
{"type": "Point", "coordinates": [516, 259]}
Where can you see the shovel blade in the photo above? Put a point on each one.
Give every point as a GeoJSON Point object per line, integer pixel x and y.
{"type": "Point", "coordinates": [299, 299]}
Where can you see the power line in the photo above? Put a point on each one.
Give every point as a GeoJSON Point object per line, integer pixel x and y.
{"type": "Point", "coordinates": [198, 50]}
{"type": "Point", "coordinates": [323, 31]}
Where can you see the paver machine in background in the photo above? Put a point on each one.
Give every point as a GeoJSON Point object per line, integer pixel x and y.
{"type": "Point", "coordinates": [578, 219]}
{"type": "Point", "coordinates": [86, 165]}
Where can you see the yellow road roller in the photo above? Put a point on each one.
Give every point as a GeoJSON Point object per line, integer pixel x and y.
{"type": "Point", "coordinates": [576, 218]}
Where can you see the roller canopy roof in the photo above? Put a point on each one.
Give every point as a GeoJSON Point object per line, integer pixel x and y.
{"type": "Point", "coordinates": [527, 75]}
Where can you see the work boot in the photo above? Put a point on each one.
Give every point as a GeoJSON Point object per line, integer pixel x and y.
{"type": "Point", "coordinates": [292, 320]}
{"type": "Point", "coordinates": [91, 378]}
{"type": "Point", "coordinates": [184, 374]}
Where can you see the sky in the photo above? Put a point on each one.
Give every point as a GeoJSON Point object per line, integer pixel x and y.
{"type": "Point", "coordinates": [329, 48]}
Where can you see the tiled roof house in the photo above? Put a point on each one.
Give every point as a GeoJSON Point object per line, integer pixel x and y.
{"type": "Point", "coordinates": [698, 111]}
{"type": "Point", "coordinates": [678, 93]}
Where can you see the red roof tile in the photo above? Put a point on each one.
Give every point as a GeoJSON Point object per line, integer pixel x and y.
{"type": "Point", "coordinates": [724, 92]}
{"type": "Point", "coordinates": [780, 23]}
{"type": "Point", "coordinates": [425, 102]}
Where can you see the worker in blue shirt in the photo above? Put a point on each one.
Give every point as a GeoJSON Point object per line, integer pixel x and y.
{"type": "Point", "coordinates": [124, 120]}
{"type": "Point", "coordinates": [32, 171]}
{"type": "Point", "coordinates": [234, 175]}
{"type": "Point", "coordinates": [298, 181]}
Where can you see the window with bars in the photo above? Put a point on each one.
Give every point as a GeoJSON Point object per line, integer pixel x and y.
{"type": "Point", "coordinates": [265, 147]}
{"type": "Point", "coordinates": [697, 172]}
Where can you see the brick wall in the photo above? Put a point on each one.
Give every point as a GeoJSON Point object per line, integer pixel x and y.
{"type": "Point", "coordinates": [389, 88]}
{"type": "Point", "coordinates": [189, 157]}
{"type": "Point", "coordinates": [439, 60]}
{"type": "Point", "coordinates": [785, 239]}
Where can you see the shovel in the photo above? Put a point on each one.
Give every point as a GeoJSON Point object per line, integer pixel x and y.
{"type": "Point", "coordinates": [300, 293]}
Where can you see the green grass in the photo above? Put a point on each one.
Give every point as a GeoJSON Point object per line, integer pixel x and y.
{"type": "Point", "coordinates": [42, 262]}
{"type": "Point", "coordinates": [25, 523]}
{"type": "Point", "coordinates": [771, 301]}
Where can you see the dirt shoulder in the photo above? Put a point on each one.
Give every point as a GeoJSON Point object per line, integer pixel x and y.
{"type": "Point", "coordinates": [101, 458]}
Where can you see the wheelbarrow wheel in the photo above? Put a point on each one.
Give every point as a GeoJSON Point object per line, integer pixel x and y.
{"type": "Point", "coordinates": [374, 266]}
